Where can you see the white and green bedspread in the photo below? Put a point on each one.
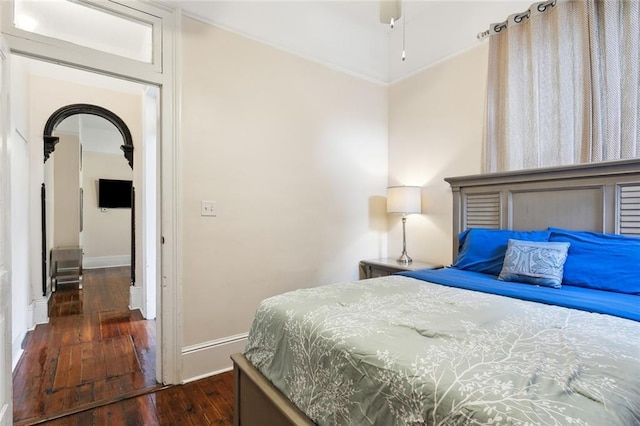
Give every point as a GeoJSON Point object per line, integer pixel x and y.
{"type": "Point", "coordinates": [399, 351]}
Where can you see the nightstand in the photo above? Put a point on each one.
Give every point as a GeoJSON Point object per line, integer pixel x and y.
{"type": "Point", "coordinates": [374, 268]}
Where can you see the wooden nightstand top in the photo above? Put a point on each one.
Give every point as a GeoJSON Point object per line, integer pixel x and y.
{"type": "Point", "coordinates": [390, 263]}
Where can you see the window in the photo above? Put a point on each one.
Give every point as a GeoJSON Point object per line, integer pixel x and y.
{"type": "Point", "coordinates": [86, 25]}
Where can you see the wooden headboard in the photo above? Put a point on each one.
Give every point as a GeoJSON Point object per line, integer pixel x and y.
{"type": "Point", "coordinates": [602, 197]}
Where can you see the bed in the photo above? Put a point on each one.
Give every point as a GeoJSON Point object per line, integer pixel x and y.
{"type": "Point", "coordinates": [552, 344]}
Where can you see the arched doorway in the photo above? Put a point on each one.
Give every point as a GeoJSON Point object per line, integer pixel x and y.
{"type": "Point", "coordinates": [96, 345]}
{"type": "Point", "coordinates": [50, 142]}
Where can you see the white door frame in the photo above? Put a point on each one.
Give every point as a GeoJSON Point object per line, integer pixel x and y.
{"type": "Point", "coordinates": [150, 196]}
{"type": "Point", "coordinates": [6, 409]}
{"type": "Point", "coordinates": [164, 74]}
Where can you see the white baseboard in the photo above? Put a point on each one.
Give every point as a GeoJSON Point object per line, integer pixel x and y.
{"type": "Point", "coordinates": [204, 376]}
{"type": "Point", "coordinates": [41, 311]}
{"type": "Point", "coordinates": [106, 261]}
{"type": "Point", "coordinates": [17, 350]}
{"type": "Point", "coordinates": [30, 315]}
{"type": "Point", "coordinates": [135, 298]}
{"type": "Point", "coordinates": [210, 358]}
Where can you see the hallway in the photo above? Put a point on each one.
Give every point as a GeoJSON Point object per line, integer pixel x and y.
{"type": "Point", "coordinates": [93, 351]}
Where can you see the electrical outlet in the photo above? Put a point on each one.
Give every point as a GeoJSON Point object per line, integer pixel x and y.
{"type": "Point", "coordinates": [208, 208]}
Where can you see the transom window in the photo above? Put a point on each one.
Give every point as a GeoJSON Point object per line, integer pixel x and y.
{"type": "Point", "coordinates": [87, 24]}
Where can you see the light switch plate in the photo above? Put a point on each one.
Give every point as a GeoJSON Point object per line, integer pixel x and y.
{"type": "Point", "coordinates": [208, 208]}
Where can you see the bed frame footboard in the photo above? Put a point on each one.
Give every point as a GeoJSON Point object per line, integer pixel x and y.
{"type": "Point", "coordinates": [258, 402]}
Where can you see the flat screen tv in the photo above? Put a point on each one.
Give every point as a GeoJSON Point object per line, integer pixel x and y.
{"type": "Point", "coordinates": [113, 193]}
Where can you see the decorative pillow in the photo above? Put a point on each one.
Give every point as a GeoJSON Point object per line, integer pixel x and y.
{"type": "Point", "coordinates": [601, 261]}
{"type": "Point", "coordinates": [482, 250]}
{"type": "Point", "coordinates": [539, 263]}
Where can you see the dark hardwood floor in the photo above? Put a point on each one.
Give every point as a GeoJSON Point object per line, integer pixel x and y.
{"type": "Point", "coordinates": [204, 402]}
{"type": "Point", "coordinates": [94, 364]}
{"type": "Point", "coordinates": [93, 349]}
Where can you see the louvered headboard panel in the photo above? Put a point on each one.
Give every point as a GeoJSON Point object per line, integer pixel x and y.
{"type": "Point", "coordinates": [629, 209]}
{"type": "Point", "coordinates": [601, 197]}
{"type": "Point", "coordinates": [483, 210]}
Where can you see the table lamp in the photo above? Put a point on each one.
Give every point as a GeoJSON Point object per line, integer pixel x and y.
{"type": "Point", "coordinates": [404, 200]}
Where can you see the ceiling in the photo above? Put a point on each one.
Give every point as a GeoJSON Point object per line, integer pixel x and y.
{"type": "Point", "coordinates": [348, 34]}
{"type": "Point", "coordinates": [343, 34]}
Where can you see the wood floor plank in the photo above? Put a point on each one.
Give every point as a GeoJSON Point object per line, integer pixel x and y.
{"type": "Point", "coordinates": [84, 394]}
{"type": "Point", "coordinates": [86, 418]}
{"type": "Point", "coordinates": [111, 354]}
{"type": "Point", "coordinates": [56, 401]}
{"type": "Point", "coordinates": [100, 391]}
{"type": "Point", "coordinates": [116, 414]}
{"type": "Point", "coordinates": [95, 351]}
{"type": "Point", "coordinates": [62, 368]}
{"type": "Point", "coordinates": [204, 407]}
{"type": "Point", "coordinates": [74, 377]}
{"type": "Point", "coordinates": [204, 402]}
{"type": "Point", "coordinates": [147, 410]}
{"type": "Point", "coordinates": [99, 361]}
{"type": "Point", "coordinates": [167, 407]}
{"type": "Point", "coordinates": [223, 393]}
{"type": "Point", "coordinates": [71, 361]}
{"type": "Point", "coordinates": [87, 363]}
{"type": "Point", "coordinates": [132, 412]}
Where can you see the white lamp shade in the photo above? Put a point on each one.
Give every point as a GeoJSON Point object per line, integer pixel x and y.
{"type": "Point", "coordinates": [404, 199]}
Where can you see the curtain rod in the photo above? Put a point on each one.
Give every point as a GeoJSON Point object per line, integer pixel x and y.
{"type": "Point", "coordinates": [518, 18]}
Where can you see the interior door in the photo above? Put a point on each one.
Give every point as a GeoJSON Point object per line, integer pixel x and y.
{"type": "Point", "coordinates": [5, 244]}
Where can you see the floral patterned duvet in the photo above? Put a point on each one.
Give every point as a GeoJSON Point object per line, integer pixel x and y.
{"type": "Point", "coordinates": [399, 351]}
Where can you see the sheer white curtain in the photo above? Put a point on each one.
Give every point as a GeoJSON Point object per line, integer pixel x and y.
{"type": "Point", "coordinates": [614, 33]}
{"type": "Point", "coordinates": [563, 85]}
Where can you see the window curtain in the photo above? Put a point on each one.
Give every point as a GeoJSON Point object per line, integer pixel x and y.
{"type": "Point", "coordinates": [563, 85]}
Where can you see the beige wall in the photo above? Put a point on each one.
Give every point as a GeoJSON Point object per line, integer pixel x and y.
{"type": "Point", "coordinates": [435, 131]}
{"type": "Point", "coordinates": [66, 193]}
{"type": "Point", "coordinates": [298, 157]}
{"type": "Point", "coordinates": [106, 233]}
{"type": "Point", "coordinates": [295, 154]}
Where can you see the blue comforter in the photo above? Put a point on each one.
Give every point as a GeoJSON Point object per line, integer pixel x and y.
{"type": "Point", "coordinates": [603, 302]}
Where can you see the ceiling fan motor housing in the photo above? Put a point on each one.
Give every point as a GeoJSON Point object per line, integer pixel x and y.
{"type": "Point", "coordinates": [390, 9]}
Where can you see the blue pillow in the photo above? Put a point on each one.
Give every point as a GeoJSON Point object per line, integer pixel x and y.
{"type": "Point", "coordinates": [534, 262]}
{"type": "Point", "coordinates": [601, 261]}
{"type": "Point", "coordinates": [482, 250]}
